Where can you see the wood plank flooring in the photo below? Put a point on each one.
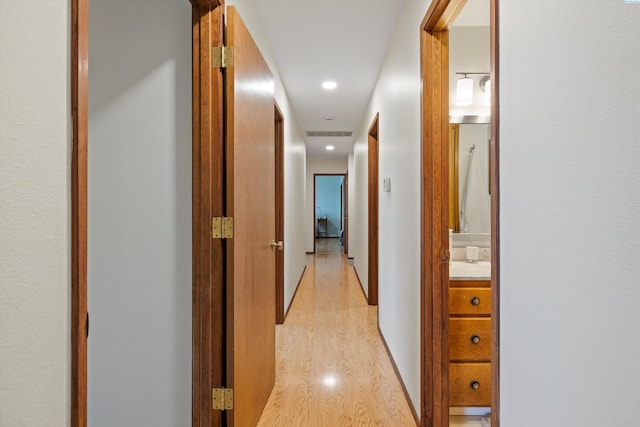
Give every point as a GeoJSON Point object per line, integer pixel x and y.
{"type": "Point", "coordinates": [332, 367]}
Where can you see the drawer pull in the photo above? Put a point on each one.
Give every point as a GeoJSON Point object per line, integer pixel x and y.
{"type": "Point", "coordinates": [475, 339]}
{"type": "Point", "coordinates": [475, 301]}
{"type": "Point", "coordinates": [475, 385]}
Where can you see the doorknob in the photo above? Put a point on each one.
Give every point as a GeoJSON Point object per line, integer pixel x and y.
{"type": "Point", "coordinates": [277, 245]}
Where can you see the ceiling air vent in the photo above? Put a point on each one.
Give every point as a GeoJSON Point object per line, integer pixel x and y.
{"type": "Point", "coordinates": [323, 133]}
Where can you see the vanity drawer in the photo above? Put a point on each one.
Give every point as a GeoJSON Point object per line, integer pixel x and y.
{"type": "Point", "coordinates": [470, 339]}
{"type": "Point", "coordinates": [469, 301]}
{"type": "Point", "coordinates": [470, 384]}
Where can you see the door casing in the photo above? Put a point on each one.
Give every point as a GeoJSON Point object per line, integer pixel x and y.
{"type": "Point", "coordinates": [315, 218]}
{"type": "Point", "coordinates": [373, 201]}
{"type": "Point", "coordinates": [279, 153]}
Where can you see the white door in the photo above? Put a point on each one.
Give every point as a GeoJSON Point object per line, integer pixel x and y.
{"type": "Point", "coordinates": [139, 213]}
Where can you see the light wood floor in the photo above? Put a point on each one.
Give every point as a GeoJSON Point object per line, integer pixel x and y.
{"type": "Point", "coordinates": [332, 367]}
{"type": "Point", "coordinates": [329, 245]}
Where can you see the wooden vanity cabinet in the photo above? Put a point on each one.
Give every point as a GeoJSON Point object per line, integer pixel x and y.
{"type": "Point", "coordinates": [470, 343]}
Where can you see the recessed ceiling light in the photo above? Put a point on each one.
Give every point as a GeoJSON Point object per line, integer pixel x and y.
{"type": "Point", "coordinates": [329, 118]}
{"type": "Point", "coordinates": [329, 85]}
{"type": "Point", "coordinates": [330, 147]}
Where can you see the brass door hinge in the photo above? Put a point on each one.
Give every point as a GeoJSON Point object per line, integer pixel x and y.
{"type": "Point", "coordinates": [223, 399]}
{"type": "Point", "coordinates": [222, 56]}
{"type": "Point", "coordinates": [222, 227]}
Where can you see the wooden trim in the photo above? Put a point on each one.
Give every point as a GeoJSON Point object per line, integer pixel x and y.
{"type": "Point", "coordinates": [397, 371]}
{"type": "Point", "coordinates": [434, 275]}
{"type": "Point", "coordinates": [208, 257]}
{"type": "Point", "coordinates": [495, 212]}
{"type": "Point", "coordinates": [207, 4]}
{"type": "Point", "coordinates": [373, 205]}
{"type": "Point", "coordinates": [280, 195]}
{"type": "Point", "coordinates": [295, 293]}
{"type": "Point", "coordinates": [79, 113]}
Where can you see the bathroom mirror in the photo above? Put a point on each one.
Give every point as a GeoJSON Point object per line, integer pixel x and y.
{"type": "Point", "coordinates": [469, 185]}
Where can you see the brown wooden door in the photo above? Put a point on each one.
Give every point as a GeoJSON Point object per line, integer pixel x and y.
{"type": "Point", "coordinates": [251, 202]}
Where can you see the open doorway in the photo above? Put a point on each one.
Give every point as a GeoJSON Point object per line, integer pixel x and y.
{"type": "Point", "coordinates": [329, 202]}
{"type": "Point", "coordinates": [459, 369]}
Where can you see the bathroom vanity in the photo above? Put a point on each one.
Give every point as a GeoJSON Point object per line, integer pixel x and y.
{"type": "Point", "coordinates": [470, 334]}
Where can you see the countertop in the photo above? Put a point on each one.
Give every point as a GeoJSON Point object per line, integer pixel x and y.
{"type": "Point", "coordinates": [462, 270]}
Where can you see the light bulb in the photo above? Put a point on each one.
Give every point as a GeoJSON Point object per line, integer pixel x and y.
{"type": "Point", "coordinates": [464, 91]}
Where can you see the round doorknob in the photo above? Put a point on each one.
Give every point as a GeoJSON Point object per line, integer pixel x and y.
{"type": "Point", "coordinates": [475, 385]}
{"type": "Point", "coordinates": [475, 301]}
{"type": "Point", "coordinates": [475, 339]}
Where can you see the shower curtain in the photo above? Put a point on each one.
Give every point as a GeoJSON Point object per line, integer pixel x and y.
{"type": "Point", "coordinates": [475, 202]}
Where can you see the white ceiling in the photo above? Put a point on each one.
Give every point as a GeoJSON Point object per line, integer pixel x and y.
{"type": "Point", "coordinates": [341, 40]}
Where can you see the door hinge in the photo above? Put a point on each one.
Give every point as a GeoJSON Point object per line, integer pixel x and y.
{"type": "Point", "coordinates": [222, 56]}
{"type": "Point", "coordinates": [222, 399]}
{"type": "Point", "coordinates": [446, 256]}
{"type": "Point", "coordinates": [222, 227]}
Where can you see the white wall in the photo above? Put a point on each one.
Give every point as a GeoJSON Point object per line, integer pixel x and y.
{"type": "Point", "coordinates": [317, 165]}
{"type": "Point", "coordinates": [397, 99]}
{"type": "Point", "coordinates": [34, 213]}
{"type": "Point", "coordinates": [351, 203]}
{"type": "Point", "coordinates": [294, 162]}
{"type": "Point", "coordinates": [139, 237]}
{"type": "Point", "coordinates": [570, 186]}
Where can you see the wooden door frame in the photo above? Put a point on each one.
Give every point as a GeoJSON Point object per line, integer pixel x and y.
{"type": "Point", "coordinates": [434, 277]}
{"type": "Point", "coordinates": [279, 153]}
{"type": "Point", "coordinates": [373, 160]}
{"type": "Point", "coordinates": [315, 217]}
{"type": "Point", "coordinates": [345, 229]}
{"type": "Point", "coordinates": [207, 294]}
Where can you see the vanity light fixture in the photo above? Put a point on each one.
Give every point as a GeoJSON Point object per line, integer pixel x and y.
{"type": "Point", "coordinates": [464, 88]}
{"type": "Point", "coordinates": [329, 85]}
{"type": "Point", "coordinates": [464, 91]}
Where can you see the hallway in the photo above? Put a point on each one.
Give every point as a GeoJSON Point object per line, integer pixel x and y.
{"type": "Point", "coordinates": [332, 367]}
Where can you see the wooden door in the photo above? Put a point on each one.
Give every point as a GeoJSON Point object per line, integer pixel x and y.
{"type": "Point", "coordinates": [374, 188]}
{"type": "Point", "coordinates": [250, 201]}
{"type": "Point", "coordinates": [279, 186]}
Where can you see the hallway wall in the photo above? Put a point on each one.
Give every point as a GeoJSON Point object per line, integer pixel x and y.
{"type": "Point", "coordinates": [294, 163]}
{"type": "Point", "coordinates": [35, 277]}
{"type": "Point", "coordinates": [352, 207]}
{"type": "Point", "coordinates": [570, 203]}
{"type": "Point", "coordinates": [397, 99]}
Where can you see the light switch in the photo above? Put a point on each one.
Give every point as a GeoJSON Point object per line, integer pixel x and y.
{"type": "Point", "coordinates": [386, 185]}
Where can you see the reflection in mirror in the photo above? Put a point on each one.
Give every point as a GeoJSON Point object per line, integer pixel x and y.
{"type": "Point", "coordinates": [469, 198]}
